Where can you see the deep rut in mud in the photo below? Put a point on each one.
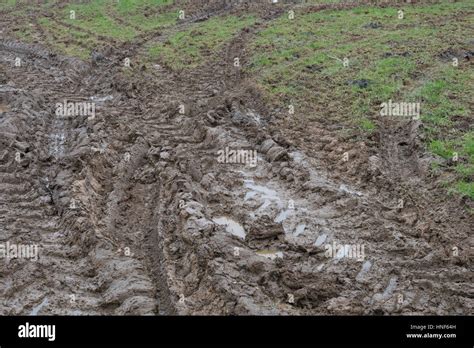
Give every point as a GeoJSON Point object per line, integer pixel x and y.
{"type": "Point", "coordinates": [133, 213]}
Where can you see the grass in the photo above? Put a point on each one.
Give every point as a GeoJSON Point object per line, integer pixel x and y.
{"type": "Point", "coordinates": [134, 7]}
{"type": "Point", "coordinates": [448, 123]}
{"type": "Point", "coordinates": [62, 39]}
{"type": "Point", "coordinates": [460, 152]}
{"type": "Point", "coordinates": [119, 20]}
{"type": "Point", "coordinates": [142, 14]}
{"type": "Point", "coordinates": [7, 4]}
{"type": "Point", "coordinates": [465, 189]}
{"type": "Point", "coordinates": [188, 48]}
{"type": "Point", "coordinates": [93, 16]}
{"type": "Point", "coordinates": [99, 17]}
{"type": "Point", "coordinates": [300, 61]}
{"type": "Point", "coordinates": [135, 16]}
{"type": "Point", "coordinates": [367, 125]}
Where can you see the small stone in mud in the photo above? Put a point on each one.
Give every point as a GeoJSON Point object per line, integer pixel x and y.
{"type": "Point", "coordinates": [165, 155]}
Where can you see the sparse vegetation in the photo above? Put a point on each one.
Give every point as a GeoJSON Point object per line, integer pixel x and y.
{"type": "Point", "coordinates": [187, 48]}
{"type": "Point", "coordinates": [301, 61]}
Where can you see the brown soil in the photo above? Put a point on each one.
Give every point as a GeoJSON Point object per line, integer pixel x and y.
{"type": "Point", "coordinates": [128, 207]}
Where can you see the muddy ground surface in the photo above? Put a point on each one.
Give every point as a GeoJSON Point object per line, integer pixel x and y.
{"type": "Point", "coordinates": [134, 214]}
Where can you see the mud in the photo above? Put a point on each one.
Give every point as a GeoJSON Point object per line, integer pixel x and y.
{"type": "Point", "coordinates": [133, 213]}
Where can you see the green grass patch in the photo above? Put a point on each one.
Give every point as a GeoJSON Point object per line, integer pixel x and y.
{"type": "Point", "coordinates": [465, 189]}
{"type": "Point", "coordinates": [93, 16]}
{"type": "Point", "coordinates": [187, 49]}
{"type": "Point", "coordinates": [367, 125]}
{"type": "Point", "coordinates": [134, 6]}
{"type": "Point", "coordinates": [8, 4]}
{"type": "Point", "coordinates": [145, 14]}
{"type": "Point", "coordinates": [99, 16]}
{"type": "Point", "coordinates": [66, 40]}
{"type": "Point", "coordinates": [301, 61]}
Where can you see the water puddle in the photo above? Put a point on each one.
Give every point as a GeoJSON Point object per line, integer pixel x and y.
{"type": "Point", "coordinates": [6, 88]}
{"type": "Point", "coordinates": [265, 192]}
{"type": "Point", "coordinates": [231, 226]}
{"type": "Point", "coordinates": [299, 229]}
{"type": "Point", "coordinates": [392, 284]}
{"type": "Point", "coordinates": [36, 309]}
{"type": "Point", "coordinates": [97, 99]}
{"type": "Point", "coordinates": [365, 269]}
{"type": "Point", "coordinates": [282, 216]}
{"type": "Point", "coordinates": [250, 194]}
{"type": "Point", "coordinates": [321, 239]}
{"type": "Point", "coordinates": [318, 177]}
{"type": "Point", "coordinates": [270, 254]}
{"type": "Point", "coordinates": [292, 215]}
{"type": "Point", "coordinates": [345, 189]}
{"type": "Point", "coordinates": [57, 146]}
{"type": "Point", "coordinates": [265, 205]}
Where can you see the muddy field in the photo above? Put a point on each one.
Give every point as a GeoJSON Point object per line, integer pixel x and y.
{"type": "Point", "coordinates": [142, 208]}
